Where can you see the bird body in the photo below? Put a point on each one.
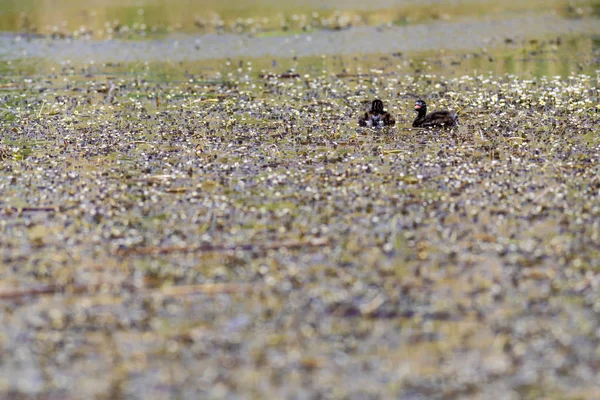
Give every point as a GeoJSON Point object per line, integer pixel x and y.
{"type": "Point", "coordinates": [436, 119]}
{"type": "Point", "coordinates": [376, 116]}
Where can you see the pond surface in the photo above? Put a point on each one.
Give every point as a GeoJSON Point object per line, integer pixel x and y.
{"type": "Point", "coordinates": [188, 208]}
{"type": "Point", "coordinates": [531, 39]}
{"type": "Point", "coordinates": [449, 36]}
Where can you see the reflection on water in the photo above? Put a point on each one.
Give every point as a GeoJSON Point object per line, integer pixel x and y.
{"type": "Point", "coordinates": [575, 55]}
{"type": "Point", "coordinates": [534, 44]}
{"type": "Point", "coordinates": [553, 58]}
{"type": "Point", "coordinates": [569, 55]}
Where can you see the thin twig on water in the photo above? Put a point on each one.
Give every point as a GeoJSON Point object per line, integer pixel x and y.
{"type": "Point", "coordinates": [289, 244]}
{"type": "Point", "coordinates": [171, 291]}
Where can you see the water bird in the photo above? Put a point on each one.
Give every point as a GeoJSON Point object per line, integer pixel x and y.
{"type": "Point", "coordinates": [376, 116]}
{"type": "Point", "coordinates": [436, 119]}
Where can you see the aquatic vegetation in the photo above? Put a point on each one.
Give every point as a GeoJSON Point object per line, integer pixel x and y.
{"type": "Point", "coordinates": [236, 232]}
{"type": "Point", "coordinates": [67, 19]}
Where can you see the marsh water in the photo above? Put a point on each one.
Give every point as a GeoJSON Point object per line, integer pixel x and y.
{"type": "Point", "coordinates": [189, 209]}
{"type": "Point", "coordinates": [535, 38]}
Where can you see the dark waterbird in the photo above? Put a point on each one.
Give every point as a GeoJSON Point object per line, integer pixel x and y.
{"type": "Point", "coordinates": [436, 119]}
{"type": "Point", "coordinates": [376, 116]}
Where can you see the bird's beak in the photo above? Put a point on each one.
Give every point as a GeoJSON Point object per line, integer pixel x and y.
{"type": "Point", "coordinates": [417, 106]}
